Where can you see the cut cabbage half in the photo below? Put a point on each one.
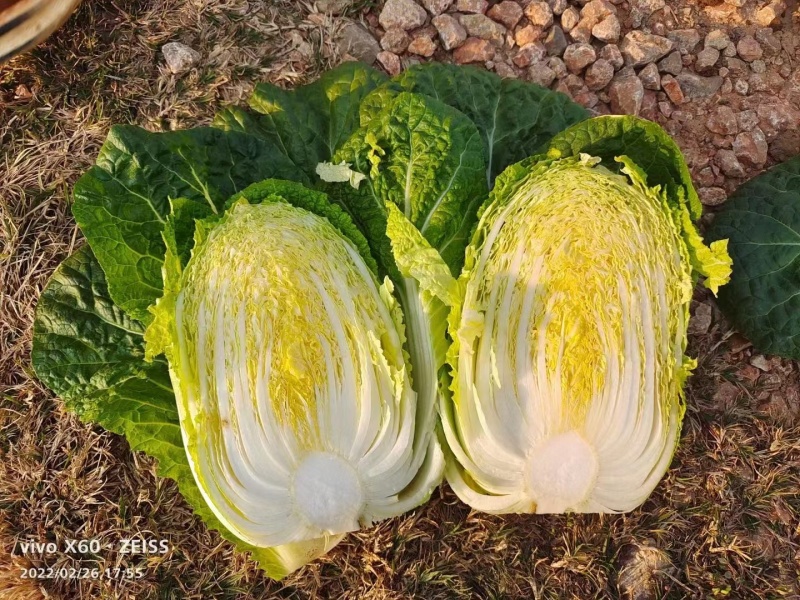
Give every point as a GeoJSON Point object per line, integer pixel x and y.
{"type": "Point", "coordinates": [291, 378]}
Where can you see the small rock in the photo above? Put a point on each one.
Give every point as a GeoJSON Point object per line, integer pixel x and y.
{"type": "Point", "coordinates": [436, 7]}
{"type": "Point", "coordinates": [422, 45]}
{"type": "Point", "coordinates": [741, 86]}
{"type": "Point", "coordinates": [747, 120]}
{"type": "Point", "coordinates": [640, 570]}
{"type": "Point", "coordinates": [749, 49]}
{"type": "Point", "coordinates": [395, 40]}
{"type": "Point", "coordinates": [705, 177]}
{"type": "Point", "coordinates": [405, 14]}
{"type": "Point", "coordinates": [684, 39]}
{"type": "Point", "coordinates": [750, 147]}
{"type": "Point", "coordinates": [651, 80]}
{"type": "Point", "coordinates": [785, 146]}
{"type": "Point", "coordinates": [739, 343]}
{"type": "Point", "coordinates": [717, 39]}
{"type": "Point", "coordinates": [730, 165]}
{"type": "Point", "coordinates": [626, 94]}
{"type": "Point", "coordinates": [528, 35]}
{"type": "Point", "coordinates": [771, 13]}
{"type": "Point", "coordinates": [607, 30]}
{"type": "Point", "coordinates": [701, 319]}
{"type": "Point", "coordinates": [671, 64]}
{"type": "Point", "coordinates": [597, 10]}
{"type": "Point", "coordinates": [507, 12]}
{"type": "Point", "coordinates": [578, 56]}
{"type": "Point", "coordinates": [712, 196]}
{"type": "Point", "coordinates": [695, 86]}
{"type": "Point", "coordinates": [180, 57]}
{"type": "Point", "coordinates": [758, 66]}
{"type": "Point", "coordinates": [760, 362]}
{"type": "Point", "coordinates": [706, 59]}
{"type": "Point", "coordinates": [770, 42]}
{"type": "Point", "coordinates": [730, 50]}
{"type": "Point", "coordinates": [726, 395]}
{"type": "Point", "coordinates": [556, 41]}
{"type": "Point", "coordinates": [530, 54]}
{"type": "Point", "coordinates": [390, 62]}
{"type": "Point", "coordinates": [599, 75]}
{"type": "Point", "coordinates": [473, 50]}
{"type": "Point", "coordinates": [612, 54]}
{"type": "Point", "coordinates": [723, 121]}
{"type": "Point", "coordinates": [541, 74]}
{"type": "Point", "coordinates": [672, 88]}
{"type": "Point", "coordinates": [570, 18]}
{"type": "Point", "coordinates": [481, 26]}
{"type": "Point", "coordinates": [472, 6]}
{"type": "Point", "coordinates": [558, 67]}
{"type": "Point", "coordinates": [641, 48]}
{"type": "Point", "coordinates": [665, 108]}
{"type": "Point", "coordinates": [557, 6]}
{"type": "Point", "coordinates": [539, 14]}
{"type": "Point", "coordinates": [451, 32]}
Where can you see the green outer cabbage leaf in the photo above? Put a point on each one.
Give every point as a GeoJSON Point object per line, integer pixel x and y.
{"type": "Point", "coordinates": [761, 220]}
{"type": "Point", "coordinates": [122, 203]}
{"type": "Point", "coordinates": [91, 353]}
{"type": "Point", "coordinates": [514, 118]}
{"type": "Point", "coordinates": [310, 122]}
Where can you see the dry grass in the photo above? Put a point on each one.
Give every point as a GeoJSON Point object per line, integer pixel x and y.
{"type": "Point", "coordinates": [724, 524]}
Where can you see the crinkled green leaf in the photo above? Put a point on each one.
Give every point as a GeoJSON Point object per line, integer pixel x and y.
{"type": "Point", "coordinates": [645, 142]}
{"type": "Point", "coordinates": [122, 203]}
{"type": "Point", "coordinates": [427, 159]}
{"type": "Point", "coordinates": [309, 122]}
{"type": "Point", "coordinates": [762, 223]}
{"type": "Point", "coordinates": [514, 118]}
{"type": "Point", "coordinates": [89, 352]}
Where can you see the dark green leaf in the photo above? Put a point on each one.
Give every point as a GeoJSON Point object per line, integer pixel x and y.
{"type": "Point", "coordinates": [762, 223]}
{"type": "Point", "coordinates": [121, 204]}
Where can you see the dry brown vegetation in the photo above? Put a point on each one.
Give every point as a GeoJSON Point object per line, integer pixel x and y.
{"type": "Point", "coordinates": [725, 523]}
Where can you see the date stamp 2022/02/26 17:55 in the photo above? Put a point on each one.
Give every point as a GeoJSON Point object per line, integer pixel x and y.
{"type": "Point", "coordinates": [88, 563]}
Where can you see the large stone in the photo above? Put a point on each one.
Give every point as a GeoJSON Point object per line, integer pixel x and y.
{"type": "Point", "coordinates": [540, 73]}
{"type": "Point", "coordinates": [684, 39]}
{"type": "Point", "coordinates": [717, 39]}
{"type": "Point", "coordinates": [451, 32]}
{"type": "Point", "coordinates": [472, 6]}
{"type": "Point", "coordinates": [607, 30]}
{"type": "Point", "coordinates": [672, 88]}
{"type": "Point", "coordinates": [672, 63]}
{"type": "Point", "coordinates": [612, 54]}
{"type": "Point", "coordinates": [474, 50]}
{"type": "Point", "coordinates": [695, 86]}
{"type": "Point", "coordinates": [651, 80]}
{"type": "Point", "coordinates": [530, 54]}
{"type": "Point", "coordinates": [422, 45]}
{"type": "Point", "coordinates": [436, 7]}
{"type": "Point", "coordinates": [528, 35]}
{"type": "Point", "coordinates": [723, 121]}
{"type": "Point", "coordinates": [180, 57]}
{"type": "Point", "coordinates": [626, 94]}
{"type": "Point", "coordinates": [778, 116]}
{"type": "Point", "coordinates": [481, 26]}
{"type": "Point", "coordinates": [395, 40]}
{"type": "Point", "coordinates": [570, 18]}
{"type": "Point", "coordinates": [390, 62]}
{"type": "Point", "coordinates": [726, 160]}
{"type": "Point", "coordinates": [578, 56]}
{"type": "Point", "coordinates": [641, 48]}
{"type": "Point", "coordinates": [539, 14]}
{"type": "Point", "coordinates": [751, 147]}
{"type": "Point", "coordinates": [599, 75]}
{"type": "Point", "coordinates": [749, 49]}
{"type": "Point", "coordinates": [358, 42]}
{"type": "Point", "coordinates": [556, 41]}
{"type": "Point", "coordinates": [507, 12]}
{"type": "Point", "coordinates": [405, 14]}
{"type": "Point", "coordinates": [706, 59]}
